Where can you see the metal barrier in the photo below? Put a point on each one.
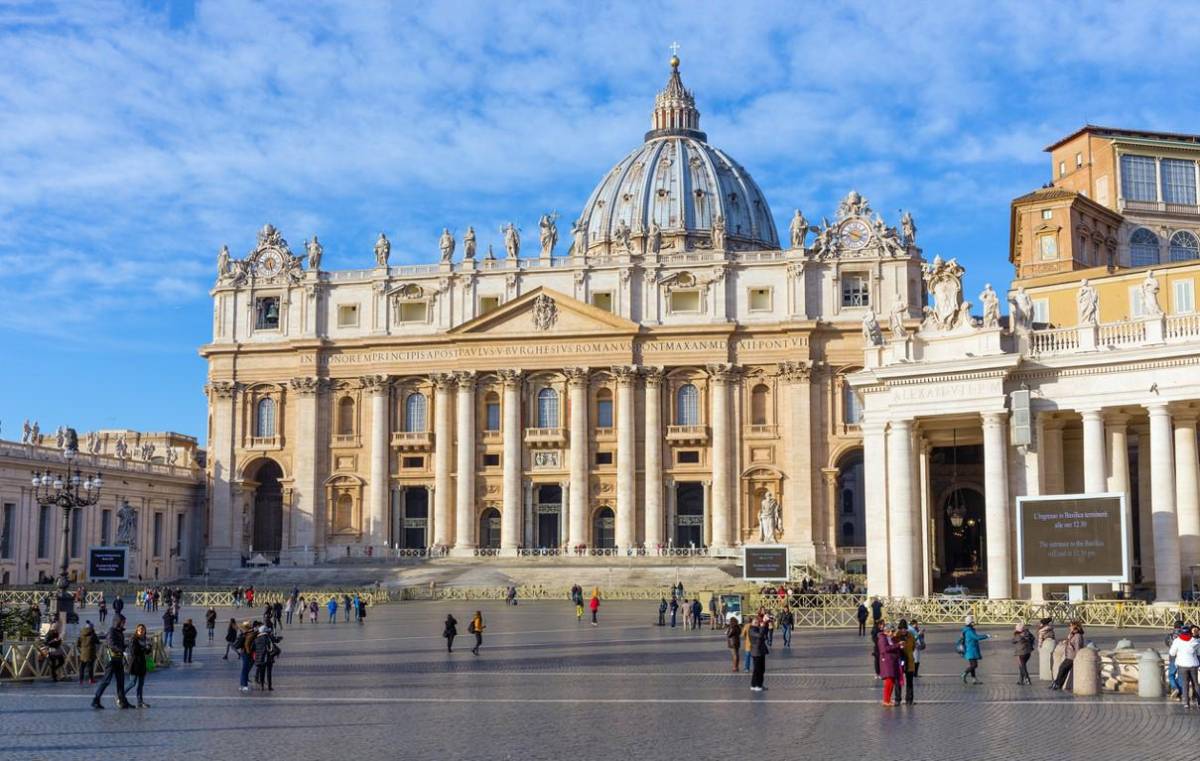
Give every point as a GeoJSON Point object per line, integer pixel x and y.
{"type": "Point", "coordinates": [22, 661]}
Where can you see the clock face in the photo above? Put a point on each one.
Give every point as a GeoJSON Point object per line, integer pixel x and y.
{"type": "Point", "coordinates": [270, 264]}
{"type": "Point", "coordinates": [855, 234]}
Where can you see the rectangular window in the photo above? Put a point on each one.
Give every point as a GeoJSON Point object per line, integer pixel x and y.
{"type": "Point", "coordinates": [266, 313]}
{"type": "Point", "coordinates": [347, 315]}
{"type": "Point", "coordinates": [106, 527]}
{"type": "Point", "coordinates": [685, 301]}
{"type": "Point", "coordinates": [6, 531]}
{"type": "Point", "coordinates": [413, 462]}
{"type": "Point", "coordinates": [855, 292]}
{"type": "Point", "coordinates": [1062, 168]}
{"type": "Point", "coordinates": [1078, 160]}
{"type": "Point", "coordinates": [45, 519]}
{"type": "Point", "coordinates": [488, 304]}
{"type": "Point", "coordinates": [491, 460]}
{"type": "Point", "coordinates": [1102, 190]}
{"type": "Point", "coordinates": [851, 407]}
{"type": "Point", "coordinates": [687, 457]}
{"type": "Point", "coordinates": [1049, 246]}
{"type": "Point", "coordinates": [76, 533]}
{"type": "Point", "coordinates": [604, 458]}
{"type": "Point", "coordinates": [1136, 307]}
{"type": "Point", "coordinates": [603, 301]}
{"type": "Point", "coordinates": [1047, 214]}
{"type": "Point", "coordinates": [492, 422]}
{"type": "Point", "coordinates": [158, 534]}
{"type": "Point", "coordinates": [760, 299]}
{"type": "Point", "coordinates": [1178, 181]}
{"type": "Point", "coordinates": [604, 413]}
{"type": "Point", "coordinates": [413, 311]}
{"type": "Point", "coordinates": [1138, 178]}
{"type": "Point", "coordinates": [179, 527]}
{"type": "Point", "coordinates": [1041, 311]}
{"type": "Point", "coordinates": [1185, 297]}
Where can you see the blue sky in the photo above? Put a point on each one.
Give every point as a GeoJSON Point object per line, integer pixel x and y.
{"type": "Point", "coordinates": [137, 138]}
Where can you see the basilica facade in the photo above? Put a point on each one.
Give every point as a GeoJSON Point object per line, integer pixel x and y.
{"type": "Point", "coordinates": [676, 379]}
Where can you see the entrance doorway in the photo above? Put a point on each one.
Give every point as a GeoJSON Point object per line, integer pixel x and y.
{"type": "Point", "coordinates": [548, 509]}
{"type": "Point", "coordinates": [689, 514]}
{"type": "Point", "coordinates": [964, 540]}
{"type": "Point", "coordinates": [604, 529]}
{"type": "Point", "coordinates": [414, 518]}
{"type": "Point", "coordinates": [267, 536]}
{"type": "Point", "coordinates": [489, 529]}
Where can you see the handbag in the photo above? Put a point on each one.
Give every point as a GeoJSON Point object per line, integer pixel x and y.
{"type": "Point", "coordinates": [150, 664]}
{"type": "Point", "coordinates": [960, 647]}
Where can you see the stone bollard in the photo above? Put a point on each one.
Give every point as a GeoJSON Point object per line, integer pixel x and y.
{"type": "Point", "coordinates": [1060, 651]}
{"type": "Point", "coordinates": [1046, 660]}
{"type": "Point", "coordinates": [1150, 674]}
{"type": "Point", "coordinates": [1086, 672]}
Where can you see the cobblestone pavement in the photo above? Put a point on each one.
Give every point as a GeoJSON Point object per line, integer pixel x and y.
{"type": "Point", "coordinates": [548, 687]}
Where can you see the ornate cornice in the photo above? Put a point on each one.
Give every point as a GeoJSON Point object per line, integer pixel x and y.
{"type": "Point", "coordinates": [221, 389]}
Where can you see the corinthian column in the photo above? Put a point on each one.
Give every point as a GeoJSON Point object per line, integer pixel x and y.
{"type": "Point", "coordinates": [443, 448]}
{"type": "Point", "coordinates": [626, 534]}
{"type": "Point", "coordinates": [464, 518]}
{"type": "Point", "coordinates": [307, 491]}
{"type": "Point", "coordinates": [995, 487]}
{"type": "Point", "coordinates": [799, 506]}
{"type": "Point", "coordinates": [222, 552]}
{"type": "Point", "coordinates": [577, 387]}
{"type": "Point", "coordinates": [722, 455]}
{"type": "Point", "coordinates": [875, 471]}
{"type": "Point", "coordinates": [510, 520]}
{"type": "Point", "coordinates": [1162, 495]}
{"type": "Point", "coordinates": [1094, 477]}
{"type": "Point", "coordinates": [901, 509]}
{"type": "Point", "coordinates": [375, 528]}
{"type": "Point", "coordinates": [654, 483]}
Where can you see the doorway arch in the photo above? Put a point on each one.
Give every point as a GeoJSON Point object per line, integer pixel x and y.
{"type": "Point", "coordinates": [267, 531]}
{"type": "Point", "coordinates": [489, 529]}
{"type": "Point", "coordinates": [603, 529]}
{"type": "Point", "coordinates": [964, 538]}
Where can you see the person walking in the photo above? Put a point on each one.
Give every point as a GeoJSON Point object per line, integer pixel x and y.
{"type": "Point", "coordinates": [594, 605]}
{"type": "Point", "coordinates": [674, 610]}
{"type": "Point", "coordinates": [876, 610]}
{"type": "Point", "coordinates": [890, 653]}
{"type": "Point", "coordinates": [862, 619]}
{"type": "Point", "coordinates": [189, 640]}
{"type": "Point", "coordinates": [876, 628]}
{"type": "Point", "coordinates": [169, 627]}
{"type": "Point", "coordinates": [697, 613]}
{"type": "Point", "coordinates": [1023, 642]}
{"type": "Point", "coordinates": [746, 626]}
{"type": "Point", "coordinates": [332, 606]}
{"type": "Point", "coordinates": [278, 610]}
{"type": "Point", "coordinates": [908, 654]}
{"type": "Point", "coordinates": [246, 637]}
{"type": "Point", "coordinates": [210, 623]}
{"type": "Point", "coordinates": [118, 605]}
{"type": "Point", "coordinates": [1185, 650]}
{"type": "Point", "coordinates": [758, 654]}
{"type": "Point", "coordinates": [714, 617]}
{"type": "Point", "coordinates": [313, 608]}
{"type": "Point", "coordinates": [450, 631]}
{"type": "Point", "coordinates": [733, 640]}
{"type": "Point", "coordinates": [88, 648]}
{"type": "Point", "coordinates": [969, 641]}
{"type": "Point", "coordinates": [787, 620]}
{"type": "Point", "coordinates": [476, 627]}
{"type": "Point", "coordinates": [662, 612]}
{"type": "Point", "coordinates": [1073, 645]}
{"type": "Point", "coordinates": [346, 607]}
{"type": "Point", "coordinates": [577, 598]}
{"type": "Point", "coordinates": [918, 633]}
{"type": "Point", "coordinates": [264, 644]}
{"type": "Point", "coordinates": [103, 610]}
{"type": "Point", "coordinates": [139, 654]}
{"type": "Point", "coordinates": [1174, 686]}
{"type": "Point", "coordinates": [231, 639]}
{"type": "Point", "coordinates": [116, 663]}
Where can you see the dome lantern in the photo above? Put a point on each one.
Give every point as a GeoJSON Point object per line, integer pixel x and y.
{"type": "Point", "coordinates": [675, 113]}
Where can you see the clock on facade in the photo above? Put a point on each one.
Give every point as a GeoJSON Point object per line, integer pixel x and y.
{"type": "Point", "coordinates": [270, 264]}
{"type": "Point", "coordinates": [855, 233]}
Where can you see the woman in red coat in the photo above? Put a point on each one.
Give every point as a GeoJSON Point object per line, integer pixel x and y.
{"type": "Point", "coordinates": [594, 605]}
{"type": "Point", "coordinates": [889, 665]}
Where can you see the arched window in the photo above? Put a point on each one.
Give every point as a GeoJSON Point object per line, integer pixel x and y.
{"type": "Point", "coordinates": [687, 405]}
{"type": "Point", "coordinates": [1184, 246]}
{"type": "Point", "coordinates": [758, 404]}
{"type": "Point", "coordinates": [604, 408]}
{"type": "Point", "coordinates": [343, 512]}
{"type": "Point", "coordinates": [264, 418]}
{"type": "Point", "coordinates": [851, 408]}
{"type": "Point", "coordinates": [491, 408]}
{"type": "Point", "coordinates": [345, 422]}
{"type": "Point", "coordinates": [1143, 248]}
{"type": "Point", "coordinates": [414, 413]}
{"type": "Point", "coordinates": [547, 408]}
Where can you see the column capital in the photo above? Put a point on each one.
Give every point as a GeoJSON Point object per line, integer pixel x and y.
{"type": "Point", "coordinates": [307, 385]}
{"type": "Point", "coordinates": [723, 372]}
{"type": "Point", "coordinates": [1116, 419]}
{"type": "Point", "coordinates": [871, 426]}
{"type": "Point", "coordinates": [831, 475]}
{"type": "Point", "coordinates": [902, 424]}
{"type": "Point", "coordinates": [795, 372]}
{"type": "Point", "coordinates": [1158, 408]}
{"type": "Point", "coordinates": [1184, 415]}
{"type": "Point", "coordinates": [653, 376]}
{"type": "Point", "coordinates": [625, 374]}
{"type": "Point", "coordinates": [442, 381]}
{"type": "Point", "coordinates": [510, 377]}
{"type": "Point", "coordinates": [465, 379]}
{"type": "Point", "coordinates": [1092, 413]}
{"type": "Point", "coordinates": [576, 376]}
{"type": "Point", "coordinates": [376, 384]}
{"type": "Point", "coordinates": [222, 389]}
{"type": "Point", "coordinates": [995, 418]}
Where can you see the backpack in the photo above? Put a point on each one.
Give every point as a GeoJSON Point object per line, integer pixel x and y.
{"type": "Point", "coordinates": [471, 628]}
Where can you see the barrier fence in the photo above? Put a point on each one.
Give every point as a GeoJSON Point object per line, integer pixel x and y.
{"type": "Point", "coordinates": [196, 598]}
{"type": "Point", "coordinates": [23, 660]}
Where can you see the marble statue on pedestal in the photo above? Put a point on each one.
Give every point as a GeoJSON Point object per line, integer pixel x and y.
{"type": "Point", "coordinates": [991, 307]}
{"type": "Point", "coordinates": [1020, 311]}
{"type": "Point", "coordinates": [1089, 303]}
{"type": "Point", "coordinates": [910, 229]}
{"type": "Point", "coordinates": [446, 245]}
{"type": "Point", "coordinates": [512, 240]}
{"type": "Point", "coordinates": [315, 252]}
{"type": "Point", "coordinates": [799, 230]}
{"type": "Point", "coordinates": [383, 249]}
{"type": "Point", "coordinates": [469, 243]}
{"type": "Point", "coordinates": [127, 521]}
{"type": "Point", "coordinates": [871, 331]}
{"type": "Point", "coordinates": [548, 233]}
{"type": "Point", "coordinates": [1150, 305]}
{"type": "Point", "coordinates": [769, 518]}
{"type": "Point", "coordinates": [896, 318]}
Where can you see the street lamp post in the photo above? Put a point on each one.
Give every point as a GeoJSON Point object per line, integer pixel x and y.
{"type": "Point", "coordinates": [69, 491]}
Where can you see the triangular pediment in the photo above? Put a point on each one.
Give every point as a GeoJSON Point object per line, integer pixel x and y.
{"type": "Point", "coordinates": [545, 312]}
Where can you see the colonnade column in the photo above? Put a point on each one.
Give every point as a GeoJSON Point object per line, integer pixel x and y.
{"type": "Point", "coordinates": [1094, 476]}
{"type": "Point", "coordinates": [577, 388]}
{"type": "Point", "coordinates": [626, 529]}
{"type": "Point", "coordinates": [996, 520]}
{"type": "Point", "coordinates": [510, 520]}
{"type": "Point", "coordinates": [221, 550]}
{"type": "Point", "coordinates": [443, 447]}
{"type": "Point", "coordinates": [1116, 430]}
{"type": "Point", "coordinates": [375, 529]}
{"type": "Point", "coordinates": [654, 485]}
{"type": "Point", "coordinates": [306, 494]}
{"type": "Point", "coordinates": [875, 475]}
{"type": "Point", "coordinates": [1187, 490]}
{"type": "Point", "coordinates": [1162, 494]}
{"type": "Point", "coordinates": [805, 519]}
{"type": "Point", "coordinates": [722, 455]}
{"type": "Point", "coordinates": [464, 518]}
{"type": "Point", "coordinates": [901, 510]}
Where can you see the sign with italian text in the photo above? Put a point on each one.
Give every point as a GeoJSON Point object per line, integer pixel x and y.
{"type": "Point", "coordinates": [1073, 539]}
{"type": "Point", "coordinates": [108, 563]}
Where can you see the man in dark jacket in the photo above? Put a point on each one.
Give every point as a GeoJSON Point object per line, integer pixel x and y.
{"type": "Point", "coordinates": [169, 627]}
{"type": "Point", "coordinates": [662, 611]}
{"type": "Point", "coordinates": [697, 613]}
{"type": "Point", "coordinates": [189, 640]}
{"type": "Point", "coordinates": [116, 664]}
{"type": "Point", "coordinates": [758, 653]}
{"type": "Point", "coordinates": [87, 647]}
{"type": "Point", "coordinates": [118, 605]}
{"type": "Point", "coordinates": [862, 619]}
{"type": "Point", "coordinates": [876, 610]}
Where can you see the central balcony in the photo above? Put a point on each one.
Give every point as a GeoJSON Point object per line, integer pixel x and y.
{"type": "Point", "coordinates": [546, 437]}
{"type": "Point", "coordinates": [687, 434]}
{"type": "Point", "coordinates": [412, 441]}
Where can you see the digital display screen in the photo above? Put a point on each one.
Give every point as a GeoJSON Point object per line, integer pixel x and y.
{"type": "Point", "coordinates": [1077, 537]}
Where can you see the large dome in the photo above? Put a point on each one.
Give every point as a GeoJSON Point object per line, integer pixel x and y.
{"type": "Point", "coordinates": [679, 183]}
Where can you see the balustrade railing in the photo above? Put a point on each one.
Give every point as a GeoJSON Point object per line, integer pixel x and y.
{"type": "Point", "coordinates": [1123, 333]}
{"type": "Point", "coordinates": [1183, 326]}
{"type": "Point", "coordinates": [1054, 340]}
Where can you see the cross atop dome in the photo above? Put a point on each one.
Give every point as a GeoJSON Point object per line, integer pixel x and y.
{"type": "Point", "coordinates": [675, 111]}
